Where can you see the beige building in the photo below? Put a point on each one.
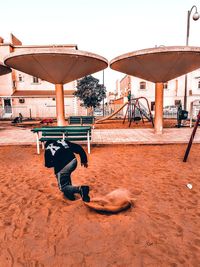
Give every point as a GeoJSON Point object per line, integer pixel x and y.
{"type": "Point", "coordinates": [30, 96]}
{"type": "Point", "coordinates": [173, 90]}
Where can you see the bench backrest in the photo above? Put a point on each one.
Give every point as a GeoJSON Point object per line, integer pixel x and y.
{"type": "Point", "coordinates": [74, 120]}
{"type": "Point", "coordinates": [50, 133]}
{"type": "Point", "coordinates": [71, 133]}
{"type": "Point", "coordinates": [81, 120]}
{"type": "Point", "coordinates": [87, 119]}
{"type": "Point", "coordinates": [68, 133]}
{"type": "Point", "coordinates": [78, 134]}
{"type": "Point", "coordinates": [61, 128]}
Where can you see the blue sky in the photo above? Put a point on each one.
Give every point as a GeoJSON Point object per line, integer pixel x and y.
{"type": "Point", "coordinates": [105, 27]}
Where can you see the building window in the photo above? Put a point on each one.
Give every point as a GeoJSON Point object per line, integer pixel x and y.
{"type": "Point", "coordinates": [20, 78]}
{"type": "Point", "coordinates": [21, 100]}
{"type": "Point", "coordinates": [199, 84]}
{"type": "Point", "coordinates": [142, 85]}
{"type": "Point", "coordinates": [35, 80]}
{"type": "Point", "coordinates": [165, 85]}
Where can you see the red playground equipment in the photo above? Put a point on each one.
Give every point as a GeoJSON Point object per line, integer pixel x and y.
{"type": "Point", "coordinates": [136, 111]}
{"type": "Point", "coordinates": [46, 121]}
{"type": "Point", "coordinates": [191, 138]}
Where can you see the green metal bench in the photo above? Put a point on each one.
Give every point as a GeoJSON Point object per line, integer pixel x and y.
{"type": "Point", "coordinates": [74, 120]}
{"type": "Point", "coordinates": [81, 120]}
{"type": "Point", "coordinates": [68, 133]}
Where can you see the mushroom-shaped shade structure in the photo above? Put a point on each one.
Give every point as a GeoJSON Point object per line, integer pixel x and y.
{"type": "Point", "coordinates": [158, 65]}
{"type": "Point", "coordinates": [4, 69]}
{"type": "Point", "coordinates": [57, 66]}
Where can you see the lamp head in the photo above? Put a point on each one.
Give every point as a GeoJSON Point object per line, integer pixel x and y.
{"type": "Point", "coordinates": [196, 16]}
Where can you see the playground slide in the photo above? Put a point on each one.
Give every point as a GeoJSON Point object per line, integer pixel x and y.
{"type": "Point", "coordinates": [110, 116]}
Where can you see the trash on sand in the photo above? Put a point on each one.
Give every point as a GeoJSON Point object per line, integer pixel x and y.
{"type": "Point", "coordinates": [189, 186]}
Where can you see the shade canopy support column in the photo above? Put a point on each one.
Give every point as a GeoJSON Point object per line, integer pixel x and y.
{"type": "Point", "coordinates": [158, 121]}
{"type": "Point", "coordinates": [60, 109]}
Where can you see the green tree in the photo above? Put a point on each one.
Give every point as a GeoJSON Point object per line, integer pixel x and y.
{"type": "Point", "coordinates": [90, 92]}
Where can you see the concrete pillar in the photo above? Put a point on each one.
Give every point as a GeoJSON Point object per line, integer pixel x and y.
{"type": "Point", "coordinates": [158, 121]}
{"type": "Point", "coordinates": [60, 109]}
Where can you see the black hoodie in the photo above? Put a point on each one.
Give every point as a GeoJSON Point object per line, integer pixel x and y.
{"type": "Point", "coordinates": [59, 153]}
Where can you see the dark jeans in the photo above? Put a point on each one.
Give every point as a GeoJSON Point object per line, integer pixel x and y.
{"type": "Point", "coordinates": [64, 179]}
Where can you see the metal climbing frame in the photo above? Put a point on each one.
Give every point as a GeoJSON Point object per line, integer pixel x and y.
{"type": "Point", "coordinates": [135, 105]}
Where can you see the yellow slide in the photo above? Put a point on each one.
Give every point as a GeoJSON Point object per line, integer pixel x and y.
{"type": "Point", "coordinates": [110, 116]}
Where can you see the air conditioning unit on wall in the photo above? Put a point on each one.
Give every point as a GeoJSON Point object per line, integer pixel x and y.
{"type": "Point", "coordinates": [21, 100]}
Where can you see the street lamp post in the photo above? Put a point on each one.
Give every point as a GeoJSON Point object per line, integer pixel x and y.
{"type": "Point", "coordinates": [195, 17]}
{"type": "Point", "coordinates": [103, 98]}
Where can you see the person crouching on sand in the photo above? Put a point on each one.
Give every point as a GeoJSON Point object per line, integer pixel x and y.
{"type": "Point", "coordinates": [60, 155]}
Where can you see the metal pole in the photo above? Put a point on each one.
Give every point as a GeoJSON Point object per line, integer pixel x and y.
{"type": "Point", "coordinates": [187, 43]}
{"type": "Point", "coordinates": [185, 94]}
{"type": "Point", "coordinates": [103, 98]}
{"type": "Point", "coordinates": [188, 27]}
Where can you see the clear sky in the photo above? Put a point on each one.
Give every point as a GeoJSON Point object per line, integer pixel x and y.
{"type": "Point", "coordinates": [106, 27]}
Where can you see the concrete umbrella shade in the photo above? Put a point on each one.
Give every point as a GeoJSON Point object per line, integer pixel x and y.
{"type": "Point", "coordinates": [4, 69]}
{"type": "Point", "coordinates": [58, 66]}
{"type": "Point", "coordinates": [158, 65]}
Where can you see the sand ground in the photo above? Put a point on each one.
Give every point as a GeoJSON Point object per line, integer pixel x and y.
{"type": "Point", "coordinates": [38, 227]}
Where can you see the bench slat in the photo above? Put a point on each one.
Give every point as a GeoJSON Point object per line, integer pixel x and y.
{"type": "Point", "coordinates": [43, 139]}
{"type": "Point", "coordinates": [61, 128]}
{"type": "Point", "coordinates": [51, 134]}
{"type": "Point", "coordinates": [77, 134]}
{"type": "Point", "coordinates": [66, 134]}
{"type": "Point", "coordinates": [76, 139]}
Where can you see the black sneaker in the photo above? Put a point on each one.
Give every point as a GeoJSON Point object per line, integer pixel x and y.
{"type": "Point", "coordinates": [84, 192]}
{"type": "Point", "coordinates": [70, 196]}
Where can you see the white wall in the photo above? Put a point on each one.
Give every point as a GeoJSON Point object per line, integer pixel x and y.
{"type": "Point", "coordinates": [40, 107]}
{"type": "Point", "coordinates": [27, 83]}
{"type": "Point", "coordinates": [175, 90]}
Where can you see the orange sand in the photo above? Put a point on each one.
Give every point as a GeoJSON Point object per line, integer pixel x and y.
{"type": "Point", "coordinates": [38, 227]}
